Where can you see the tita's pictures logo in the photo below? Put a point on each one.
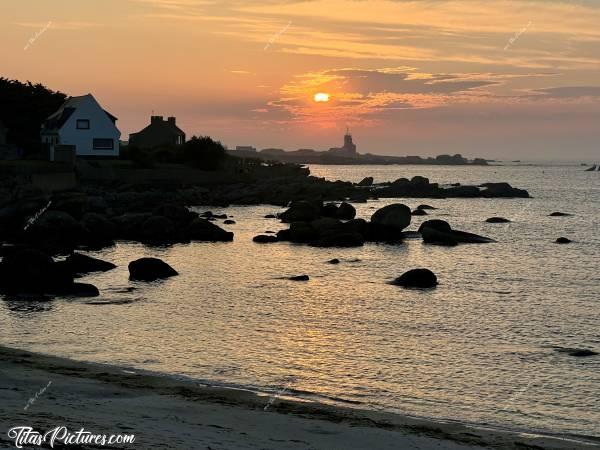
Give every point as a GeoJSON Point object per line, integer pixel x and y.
{"type": "Point", "coordinates": [24, 436]}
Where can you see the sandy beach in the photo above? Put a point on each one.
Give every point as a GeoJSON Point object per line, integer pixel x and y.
{"type": "Point", "coordinates": [44, 392]}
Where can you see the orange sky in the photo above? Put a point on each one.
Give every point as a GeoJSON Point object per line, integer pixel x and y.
{"type": "Point", "coordinates": [498, 79]}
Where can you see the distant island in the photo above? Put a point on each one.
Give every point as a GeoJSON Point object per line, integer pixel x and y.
{"type": "Point", "coordinates": [347, 154]}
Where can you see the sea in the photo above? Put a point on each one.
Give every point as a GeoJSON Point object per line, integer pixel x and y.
{"type": "Point", "coordinates": [484, 347]}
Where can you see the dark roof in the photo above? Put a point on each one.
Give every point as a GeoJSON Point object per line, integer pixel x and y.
{"type": "Point", "coordinates": [163, 126]}
{"type": "Point", "coordinates": [58, 119]}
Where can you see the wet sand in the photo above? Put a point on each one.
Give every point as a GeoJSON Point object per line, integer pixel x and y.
{"type": "Point", "coordinates": [167, 413]}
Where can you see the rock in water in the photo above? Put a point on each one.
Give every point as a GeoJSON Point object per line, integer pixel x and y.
{"type": "Point", "coordinates": [80, 264]}
{"type": "Point", "coordinates": [436, 224]}
{"type": "Point", "coordinates": [559, 214]}
{"type": "Point", "coordinates": [367, 181]}
{"type": "Point", "coordinates": [419, 212]}
{"type": "Point", "coordinates": [346, 211]}
{"type": "Point", "coordinates": [203, 230]}
{"type": "Point", "coordinates": [264, 239]}
{"type": "Point", "coordinates": [497, 220]}
{"type": "Point", "coordinates": [300, 278]}
{"type": "Point", "coordinates": [425, 207]}
{"type": "Point", "coordinates": [157, 229]}
{"type": "Point", "coordinates": [396, 216]}
{"type": "Point", "coordinates": [495, 190]}
{"type": "Point", "coordinates": [563, 240]}
{"type": "Point", "coordinates": [229, 222]}
{"type": "Point", "coordinates": [301, 211]}
{"type": "Point", "coordinates": [417, 278]}
{"type": "Point", "coordinates": [439, 232]}
{"type": "Point", "coordinates": [577, 352]}
{"type": "Point", "coordinates": [29, 271]}
{"type": "Point", "coordinates": [334, 261]}
{"type": "Point", "coordinates": [150, 269]}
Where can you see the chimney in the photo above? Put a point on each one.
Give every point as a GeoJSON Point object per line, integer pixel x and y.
{"type": "Point", "coordinates": [171, 120]}
{"type": "Point", "coordinates": [155, 119]}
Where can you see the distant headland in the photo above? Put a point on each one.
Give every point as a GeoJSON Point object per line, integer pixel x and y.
{"type": "Point", "coordinates": [347, 154]}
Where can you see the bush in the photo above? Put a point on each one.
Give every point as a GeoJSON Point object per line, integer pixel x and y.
{"type": "Point", "coordinates": [140, 157]}
{"type": "Point", "coordinates": [204, 153]}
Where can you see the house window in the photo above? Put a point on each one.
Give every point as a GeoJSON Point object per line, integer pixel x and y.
{"type": "Point", "coordinates": [83, 124]}
{"type": "Point", "coordinates": [104, 144]}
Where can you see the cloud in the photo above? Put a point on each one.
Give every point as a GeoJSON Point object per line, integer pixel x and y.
{"type": "Point", "coordinates": [70, 26]}
{"type": "Point", "coordinates": [570, 91]}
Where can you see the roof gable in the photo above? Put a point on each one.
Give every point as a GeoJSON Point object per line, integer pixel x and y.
{"type": "Point", "coordinates": [57, 120]}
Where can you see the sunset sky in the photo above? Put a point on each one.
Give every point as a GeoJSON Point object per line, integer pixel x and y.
{"type": "Point", "coordinates": [496, 79]}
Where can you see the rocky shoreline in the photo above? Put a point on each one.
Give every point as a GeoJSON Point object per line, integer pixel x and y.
{"type": "Point", "coordinates": [36, 226]}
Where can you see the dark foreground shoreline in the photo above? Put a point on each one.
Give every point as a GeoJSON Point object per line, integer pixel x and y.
{"type": "Point", "coordinates": [165, 412]}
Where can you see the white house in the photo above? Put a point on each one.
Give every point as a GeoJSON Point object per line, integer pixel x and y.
{"type": "Point", "coordinates": [82, 122]}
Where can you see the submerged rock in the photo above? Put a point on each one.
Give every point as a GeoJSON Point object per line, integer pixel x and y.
{"type": "Point", "coordinates": [497, 220]}
{"type": "Point", "coordinates": [439, 232]}
{"type": "Point", "coordinates": [299, 278]}
{"type": "Point", "coordinates": [577, 352]}
{"type": "Point", "coordinates": [150, 269]}
{"type": "Point", "coordinates": [563, 240]}
{"type": "Point", "coordinates": [425, 207]}
{"type": "Point", "coordinates": [80, 264]}
{"type": "Point", "coordinates": [417, 278]}
{"type": "Point", "coordinates": [264, 239]}
{"type": "Point", "coordinates": [229, 222]}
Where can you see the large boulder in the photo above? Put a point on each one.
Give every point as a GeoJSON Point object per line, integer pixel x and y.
{"type": "Point", "coordinates": [301, 211]}
{"type": "Point", "coordinates": [79, 264]}
{"type": "Point", "coordinates": [56, 227]}
{"type": "Point", "coordinates": [30, 271]}
{"type": "Point", "coordinates": [128, 225]}
{"type": "Point", "coordinates": [329, 210]}
{"type": "Point", "coordinates": [395, 216]}
{"type": "Point", "coordinates": [157, 229]}
{"type": "Point", "coordinates": [417, 278]}
{"type": "Point", "coordinates": [176, 213]}
{"type": "Point", "coordinates": [150, 269]}
{"type": "Point", "coordinates": [462, 192]}
{"type": "Point", "coordinates": [367, 181]}
{"type": "Point", "coordinates": [436, 224]}
{"type": "Point", "coordinates": [75, 204]}
{"type": "Point", "coordinates": [203, 230]}
{"type": "Point", "coordinates": [439, 232]}
{"type": "Point", "coordinates": [502, 190]}
{"type": "Point", "coordinates": [99, 228]}
{"type": "Point", "coordinates": [346, 211]}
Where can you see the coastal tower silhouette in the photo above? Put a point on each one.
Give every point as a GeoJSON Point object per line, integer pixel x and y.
{"type": "Point", "coordinates": [349, 147]}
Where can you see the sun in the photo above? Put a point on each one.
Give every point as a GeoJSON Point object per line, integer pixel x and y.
{"type": "Point", "coordinates": [321, 97]}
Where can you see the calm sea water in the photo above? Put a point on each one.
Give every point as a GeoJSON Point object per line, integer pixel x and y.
{"type": "Point", "coordinates": [479, 348]}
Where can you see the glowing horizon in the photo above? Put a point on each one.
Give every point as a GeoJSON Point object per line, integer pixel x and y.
{"type": "Point", "coordinates": [407, 77]}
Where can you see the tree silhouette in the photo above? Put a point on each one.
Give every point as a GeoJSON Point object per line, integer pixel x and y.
{"type": "Point", "coordinates": [23, 108]}
{"type": "Point", "coordinates": [204, 153]}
